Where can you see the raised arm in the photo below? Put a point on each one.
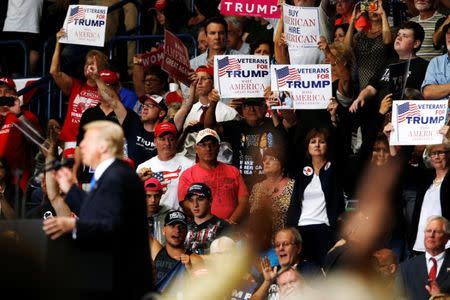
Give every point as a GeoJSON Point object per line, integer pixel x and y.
{"type": "Point", "coordinates": [281, 53]}
{"type": "Point", "coordinates": [210, 115]}
{"type": "Point", "coordinates": [62, 80]}
{"type": "Point", "coordinates": [348, 41]}
{"type": "Point", "coordinates": [386, 29]}
{"type": "Point", "coordinates": [53, 191]}
{"type": "Point", "coordinates": [138, 80]}
{"type": "Point", "coordinates": [180, 115]}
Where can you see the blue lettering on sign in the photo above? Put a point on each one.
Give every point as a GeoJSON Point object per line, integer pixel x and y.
{"type": "Point", "coordinates": [424, 120]}
{"type": "Point", "coordinates": [308, 84]}
{"type": "Point", "coordinates": [247, 73]}
{"type": "Point", "coordinates": [85, 22]}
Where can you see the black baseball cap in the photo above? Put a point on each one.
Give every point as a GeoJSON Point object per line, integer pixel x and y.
{"type": "Point", "coordinates": [199, 189]}
{"type": "Point", "coordinates": [175, 216]}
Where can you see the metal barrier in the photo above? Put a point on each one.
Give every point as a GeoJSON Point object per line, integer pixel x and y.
{"type": "Point", "coordinates": [25, 53]}
{"type": "Point", "coordinates": [127, 38]}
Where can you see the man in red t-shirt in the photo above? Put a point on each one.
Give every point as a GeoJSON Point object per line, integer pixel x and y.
{"type": "Point", "coordinates": [14, 146]}
{"type": "Point", "coordinates": [82, 95]}
{"type": "Point", "coordinates": [229, 193]}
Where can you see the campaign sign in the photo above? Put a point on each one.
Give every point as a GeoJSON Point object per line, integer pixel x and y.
{"type": "Point", "coordinates": [398, 74]}
{"type": "Point", "coordinates": [241, 76]}
{"type": "Point", "coordinates": [301, 26]}
{"type": "Point", "coordinates": [176, 58]}
{"type": "Point", "coordinates": [417, 122]}
{"type": "Point", "coordinates": [255, 8]}
{"type": "Point", "coordinates": [85, 25]}
{"type": "Point", "coordinates": [155, 57]}
{"type": "Point", "coordinates": [309, 86]}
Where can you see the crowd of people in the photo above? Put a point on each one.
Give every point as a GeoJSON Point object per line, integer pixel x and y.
{"type": "Point", "coordinates": [173, 180]}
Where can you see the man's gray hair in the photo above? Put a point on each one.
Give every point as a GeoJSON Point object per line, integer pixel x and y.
{"type": "Point", "coordinates": [297, 236]}
{"type": "Point", "coordinates": [440, 218]}
{"type": "Point", "coordinates": [235, 22]}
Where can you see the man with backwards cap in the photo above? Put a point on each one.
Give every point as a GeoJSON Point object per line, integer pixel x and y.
{"type": "Point", "coordinates": [200, 88]}
{"type": "Point", "coordinates": [167, 166]}
{"type": "Point", "coordinates": [205, 227]}
{"type": "Point", "coordinates": [167, 258]}
{"type": "Point", "coordinates": [155, 212]}
{"type": "Point", "coordinates": [139, 131]}
{"type": "Point", "coordinates": [13, 144]}
{"type": "Point", "coordinates": [229, 192]}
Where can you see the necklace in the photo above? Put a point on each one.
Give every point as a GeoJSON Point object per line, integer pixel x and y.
{"type": "Point", "coordinates": [438, 180]}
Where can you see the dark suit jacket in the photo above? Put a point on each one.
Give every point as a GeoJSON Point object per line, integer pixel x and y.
{"type": "Point", "coordinates": [112, 218]}
{"type": "Point", "coordinates": [414, 276]}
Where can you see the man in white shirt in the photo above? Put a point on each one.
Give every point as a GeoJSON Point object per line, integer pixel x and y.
{"type": "Point", "coordinates": [428, 274]}
{"type": "Point", "coordinates": [167, 166]}
{"type": "Point", "coordinates": [201, 87]}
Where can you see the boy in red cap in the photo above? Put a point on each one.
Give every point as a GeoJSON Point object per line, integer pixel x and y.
{"type": "Point", "coordinates": [155, 211]}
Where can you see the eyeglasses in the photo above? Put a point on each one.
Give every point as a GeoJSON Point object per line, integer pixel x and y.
{"type": "Point", "coordinates": [148, 80]}
{"type": "Point", "coordinates": [204, 78]}
{"type": "Point", "coordinates": [282, 244]}
{"type": "Point", "coordinates": [437, 153]}
{"type": "Point", "coordinates": [150, 106]}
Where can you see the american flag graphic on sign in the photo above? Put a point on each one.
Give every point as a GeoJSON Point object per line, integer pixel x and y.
{"type": "Point", "coordinates": [76, 13]}
{"type": "Point", "coordinates": [407, 110]}
{"type": "Point", "coordinates": [227, 64]}
{"type": "Point", "coordinates": [165, 177]}
{"type": "Point", "coordinates": [287, 74]}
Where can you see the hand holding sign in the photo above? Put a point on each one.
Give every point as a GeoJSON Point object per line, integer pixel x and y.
{"type": "Point", "coordinates": [213, 96]}
{"type": "Point", "coordinates": [61, 33]}
{"type": "Point", "coordinates": [386, 104]}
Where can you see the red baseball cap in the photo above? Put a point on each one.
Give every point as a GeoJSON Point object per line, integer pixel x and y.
{"type": "Point", "coordinates": [152, 184]}
{"type": "Point", "coordinates": [206, 69]}
{"type": "Point", "coordinates": [165, 127]}
{"type": "Point", "coordinates": [109, 77]}
{"type": "Point", "coordinates": [8, 82]}
{"type": "Point", "coordinates": [160, 4]}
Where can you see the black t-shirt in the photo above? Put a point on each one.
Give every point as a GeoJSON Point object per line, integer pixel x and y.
{"type": "Point", "coordinates": [94, 114]}
{"type": "Point", "coordinates": [248, 144]}
{"type": "Point", "coordinates": [417, 69]}
{"type": "Point", "coordinates": [200, 236]}
{"type": "Point", "coordinates": [140, 142]}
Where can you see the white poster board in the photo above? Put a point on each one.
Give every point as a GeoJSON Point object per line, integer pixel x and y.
{"type": "Point", "coordinates": [85, 25]}
{"type": "Point", "coordinates": [417, 122]}
{"type": "Point", "coordinates": [305, 86]}
{"type": "Point", "coordinates": [241, 76]}
{"type": "Point", "coordinates": [301, 26]}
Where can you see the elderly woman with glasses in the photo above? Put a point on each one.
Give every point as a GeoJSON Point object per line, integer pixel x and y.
{"type": "Point", "coordinates": [434, 194]}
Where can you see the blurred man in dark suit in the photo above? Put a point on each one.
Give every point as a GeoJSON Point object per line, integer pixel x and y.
{"type": "Point", "coordinates": [112, 216]}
